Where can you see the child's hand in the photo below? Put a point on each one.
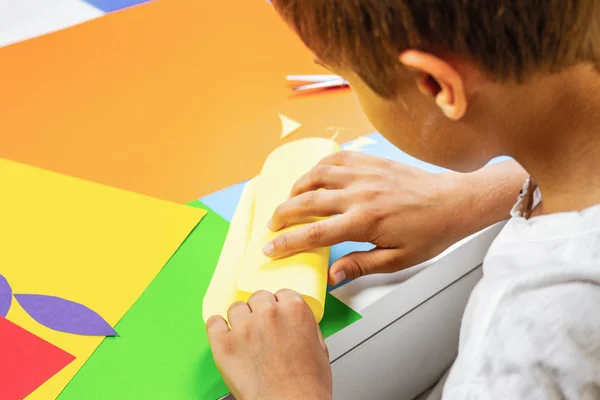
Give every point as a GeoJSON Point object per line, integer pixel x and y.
{"type": "Point", "coordinates": [274, 350]}
{"type": "Point", "coordinates": [409, 214]}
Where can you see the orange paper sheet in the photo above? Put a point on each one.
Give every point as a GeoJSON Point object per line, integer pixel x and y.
{"type": "Point", "coordinates": [150, 98]}
{"type": "Point", "coordinates": [85, 242]}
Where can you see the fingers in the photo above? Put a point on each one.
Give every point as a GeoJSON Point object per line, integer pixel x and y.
{"type": "Point", "coordinates": [288, 298]}
{"type": "Point", "coordinates": [216, 327]}
{"type": "Point", "coordinates": [362, 263]}
{"type": "Point", "coordinates": [322, 203]}
{"type": "Point", "coordinates": [288, 295]}
{"type": "Point", "coordinates": [324, 233]}
{"type": "Point", "coordinates": [291, 298]}
{"type": "Point", "coordinates": [323, 177]}
{"type": "Point", "coordinates": [335, 171]}
{"type": "Point", "coordinates": [350, 158]}
{"type": "Point", "coordinates": [237, 313]}
{"type": "Point", "coordinates": [261, 299]}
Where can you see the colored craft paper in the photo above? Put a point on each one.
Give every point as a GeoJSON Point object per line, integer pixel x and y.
{"type": "Point", "coordinates": [243, 268]}
{"type": "Point", "coordinates": [359, 144]}
{"type": "Point", "coordinates": [224, 202]}
{"type": "Point", "coordinates": [223, 289]}
{"type": "Point", "coordinates": [288, 126]}
{"type": "Point", "coordinates": [130, 99]}
{"type": "Point", "coordinates": [162, 351]}
{"type": "Point", "coordinates": [26, 361]}
{"type": "Point", "coordinates": [114, 5]}
{"type": "Point", "coordinates": [5, 296]}
{"type": "Point", "coordinates": [23, 20]}
{"type": "Point", "coordinates": [84, 242]}
{"type": "Point", "coordinates": [64, 315]}
{"type": "Point", "coordinates": [306, 272]}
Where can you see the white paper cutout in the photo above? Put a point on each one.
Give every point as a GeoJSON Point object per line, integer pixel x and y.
{"type": "Point", "coordinates": [288, 126]}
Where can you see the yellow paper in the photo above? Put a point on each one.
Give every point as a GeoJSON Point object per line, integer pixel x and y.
{"type": "Point", "coordinates": [83, 241]}
{"type": "Point", "coordinates": [223, 290]}
{"type": "Point", "coordinates": [306, 272]}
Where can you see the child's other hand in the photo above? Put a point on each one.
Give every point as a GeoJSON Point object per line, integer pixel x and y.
{"type": "Point", "coordinates": [274, 349]}
{"type": "Point", "coordinates": [409, 214]}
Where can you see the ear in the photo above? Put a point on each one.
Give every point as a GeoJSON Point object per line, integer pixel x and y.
{"type": "Point", "coordinates": [439, 80]}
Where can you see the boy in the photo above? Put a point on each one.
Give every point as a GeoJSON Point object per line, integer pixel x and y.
{"type": "Point", "coordinates": [455, 83]}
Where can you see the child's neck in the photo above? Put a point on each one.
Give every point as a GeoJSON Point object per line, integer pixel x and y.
{"type": "Point", "coordinates": [563, 153]}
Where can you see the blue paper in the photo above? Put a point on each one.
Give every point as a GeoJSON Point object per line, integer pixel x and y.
{"type": "Point", "coordinates": [64, 315]}
{"type": "Point", "coordinates": [5, 296]}
{"type": "Point", "coordinates": [114, 5]}
{"type": "Point", "coordinates": [224, 202]}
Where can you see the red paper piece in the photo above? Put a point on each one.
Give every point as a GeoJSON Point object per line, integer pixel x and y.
{"type": "Point", "coordinates": [26, 361]}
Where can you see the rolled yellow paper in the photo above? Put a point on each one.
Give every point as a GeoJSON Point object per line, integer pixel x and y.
{"type": "Point", "coordinates": [243, 268]}
{"type": "Point", "coordinates": [222, 290]}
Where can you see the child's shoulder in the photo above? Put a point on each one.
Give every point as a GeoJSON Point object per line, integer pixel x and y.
{"type": "Point", "coordinates": [531, 329]}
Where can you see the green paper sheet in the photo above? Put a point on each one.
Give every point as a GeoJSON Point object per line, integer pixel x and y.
{"type": "Point", "coordinates": [162, 351]}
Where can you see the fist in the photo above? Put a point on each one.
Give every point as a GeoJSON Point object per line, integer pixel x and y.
{"type": "Point", "coordinates": [271, 349]}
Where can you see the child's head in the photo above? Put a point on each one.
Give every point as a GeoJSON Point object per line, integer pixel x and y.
{"type": "Point", "coordinates": [445, 79]}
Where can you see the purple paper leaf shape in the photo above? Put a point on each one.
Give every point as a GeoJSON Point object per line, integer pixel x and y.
{"type": "Point", "coordinates": [5, 296]}
{"type": "Point", "coordinates": [64, 315]}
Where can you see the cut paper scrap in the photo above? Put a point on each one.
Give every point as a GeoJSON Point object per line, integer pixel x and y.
{"type": "Point", "coordinates": [243, 268]}
{"type": "Point", "coordinates": [359, 144]}
{"type": "Point", "coordinates": [64, 315]}
{"type": "Point", "coordinates": [288, 126]}
{"type": "Point", "coordinates": [5, 296]}
{"type": "Point", "coordinates": [162, 351]}
{"type": "Point", "coordinates": [26, 361]}
{"type": "Point", "coordinates": [85, 242]}
{"type": "Point", "coordinates": [336, 131]}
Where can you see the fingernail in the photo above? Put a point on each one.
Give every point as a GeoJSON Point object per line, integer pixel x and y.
{"type": "Point", "coordinates": [270, 224]}
{"type": "Point", "coordinates": [339, 277]}
{"type": "Point", "coordinates": [269, 249]}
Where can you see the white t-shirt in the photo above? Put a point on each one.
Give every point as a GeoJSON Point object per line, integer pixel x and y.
{"type": "Point", "coordinates": [531, 329]}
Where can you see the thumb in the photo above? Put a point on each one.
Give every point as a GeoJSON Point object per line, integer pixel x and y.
{"type": "Point", "coordinates": [362, 263]}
